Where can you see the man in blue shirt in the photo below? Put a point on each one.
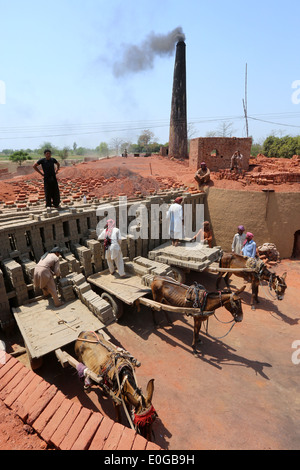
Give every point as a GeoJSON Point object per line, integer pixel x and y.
{"type": "Point", "coordinates": [50, 167]}
{"type": "Point", "coordinates": [249, 247]}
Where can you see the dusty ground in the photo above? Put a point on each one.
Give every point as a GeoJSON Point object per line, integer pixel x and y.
{"type": "Point", "coordinates": [240, 392]}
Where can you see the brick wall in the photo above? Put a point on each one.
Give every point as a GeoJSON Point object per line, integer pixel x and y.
{"type": "Point", "coordinates": [217, 151]}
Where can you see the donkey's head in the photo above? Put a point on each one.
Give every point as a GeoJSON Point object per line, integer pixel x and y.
{"type": "Point", "coordinates": [234, 305]}
{"type": "Point", "coordinates": [278, 284]}
{"type": "Point", "coordinates": [143, 412]}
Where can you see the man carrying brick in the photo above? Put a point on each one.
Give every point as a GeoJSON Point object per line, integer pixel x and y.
{"type": "Point", "coordinates": [44, 272]}
{"type": "Point", "coordinates": [236, 162]}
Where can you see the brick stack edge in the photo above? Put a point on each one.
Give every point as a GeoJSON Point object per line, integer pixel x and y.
{"type": "Point", "coordinates": [60, 422]}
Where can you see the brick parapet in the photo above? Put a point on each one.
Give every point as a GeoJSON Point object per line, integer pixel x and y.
{"type": "Point", "coordinates": [63, 424]}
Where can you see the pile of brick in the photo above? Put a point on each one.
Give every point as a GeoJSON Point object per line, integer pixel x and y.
{"type": "Point", "coordinates": [85, 258]}
{"type": "Point", "coordinates": [73, 263]}
{"type": "Point", "coordinates": [98, 306]}
{"type": "Point", "coordinates": [4, 303]}
{"type": "Point", "coordinates": [14, 273]}
{"type": "Point", "coordinates": [147, 269]}
{"type": "Point", "coordinates": [65, 288]}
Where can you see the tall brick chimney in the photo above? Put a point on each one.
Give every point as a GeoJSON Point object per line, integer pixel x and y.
{"type": "Point", "coordinates": [178, 147]}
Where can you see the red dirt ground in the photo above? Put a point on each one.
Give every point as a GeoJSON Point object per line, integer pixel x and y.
{"type": "Point", "coordinates": [240, 392]}
{"type": "Point", "coordinates": [116, 175]}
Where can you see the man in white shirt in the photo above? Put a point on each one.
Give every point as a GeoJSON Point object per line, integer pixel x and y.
{"type": "Point", "coordinates": [175, 215]}
{"type": "Point", "coordinates": [112, 245]}
{"type": "Point", "coordinates": [238, 240]}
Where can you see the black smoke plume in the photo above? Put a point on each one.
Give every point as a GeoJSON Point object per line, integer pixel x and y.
{"type": "Point", "coordinates": [136, 58]}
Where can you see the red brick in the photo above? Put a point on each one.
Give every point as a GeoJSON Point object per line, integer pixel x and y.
{"type": "Point", "coordinates": [85, 437]}
{"type": "Point", "coordinates": [10, 375]}
{"type": "Point", "coordinates": [127, 439]}
{"type": "Point", "coordinates": [139, 443]}
{"type": "Point", "coordinates": [75, 429]}
{"type": "Point", "coordinates": [56, 419]}
{"type": "Point", "coordinates": [152, 446]}
{"type": "Point", "coordinates": [13, 383]}
{"type": "Point", "coordinates": [11, 361]}
{"type": "Point", "coordinates": [32, 399]}
{"type": "Point", "coordinates": [101, 434]}
{"type": "Point", "coordinates": [42, 421]}
{"type": "Point", "coordinates": [18, 404]}
{"type": "Point", "coordinates": [65, 425]}
{"type": "Point", "coordinates": [4, 360]}
{"type": "Point", "coordinates": [114, 437]}
{"type": "Point", "coordinates": [12, 397]}
{"type": "Point", "coordinates": [41, 404]}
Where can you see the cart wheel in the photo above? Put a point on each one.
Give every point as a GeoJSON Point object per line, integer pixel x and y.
{"type": "Point", "coordinates": [178, 275]}
{"type": "Point", "coordinates": [116, 305]}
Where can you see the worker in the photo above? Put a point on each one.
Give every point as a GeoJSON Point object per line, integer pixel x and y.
{"type": "Point", "coordinates": [204, 235]}
{"type": "Point", "coordinates": [44, 273]}
{"type": "Point", "coordinates": [175, 215]}
{"type": "Point", "coordinates": [112, 246]}
{"type": "Point", "coordinates": [236, 162]}
{"type": "Point", "coordinates": [202, 175]}
{"type": "Point", "coordinates": [238, 240]}
{"type": "Point", "coordinates": [249, 246]}
{"type": "Point", "coordinates": [50, 168]}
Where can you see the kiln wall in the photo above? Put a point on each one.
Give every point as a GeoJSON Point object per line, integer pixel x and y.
{"type": "Point", "coordinates": [272, 217]}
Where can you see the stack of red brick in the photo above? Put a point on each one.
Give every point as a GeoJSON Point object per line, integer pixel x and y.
{"type": "Point", "coordinates": [60, 422]}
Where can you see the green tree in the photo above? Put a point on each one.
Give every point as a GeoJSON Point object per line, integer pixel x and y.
{"type": "Point", "coordinates": [281, 147]}
{"type": "Point", "coordinates": [49, 146]}
{"type": "Point", "coordinates": [19, 157]}
{"type": "Point", "coordinates": [145, 139]}
{"type": "Point", "coordinates": [103, 149]}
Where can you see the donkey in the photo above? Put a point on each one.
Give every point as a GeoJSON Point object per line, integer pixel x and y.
{"type": "Point", "coordinates": [166, 290]}
{"type": "Point", "coordinates": [233, 260]}
{"type": "Point", "coordinates": [116, 367]}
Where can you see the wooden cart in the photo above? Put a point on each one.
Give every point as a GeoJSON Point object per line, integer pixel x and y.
{"type": "Point", "coordinates": [45, 329]}
{"type": "Point", "coordinates": [119, 291]}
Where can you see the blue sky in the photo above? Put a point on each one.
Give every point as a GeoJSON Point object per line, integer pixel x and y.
{"type": "Point", "coordinates": [57, 80]}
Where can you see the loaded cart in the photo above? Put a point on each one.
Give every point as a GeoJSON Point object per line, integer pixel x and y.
{"type": "Point", "coordinates": [45, 330]}
{"type": "Point", "coordinates": [186, 257]}
{"type": "Point", "coordinates": [119, 292]}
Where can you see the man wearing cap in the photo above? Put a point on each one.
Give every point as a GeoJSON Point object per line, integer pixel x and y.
{"type": "Point", "coordinates": [238, 240]}
{"type": "Point", "coordinates": [202, 176]}
{"type": "Point", "coordinates": [44, 272]}
{"type": "Point", "coordinates": [249, 246]}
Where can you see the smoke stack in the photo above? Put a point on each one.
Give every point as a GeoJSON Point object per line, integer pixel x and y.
{"type": "Point", "coordinates": [178, 123]}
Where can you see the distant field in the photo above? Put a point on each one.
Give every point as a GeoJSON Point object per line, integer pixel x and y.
{"type": "Point", "coordinates": [6, 163]}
